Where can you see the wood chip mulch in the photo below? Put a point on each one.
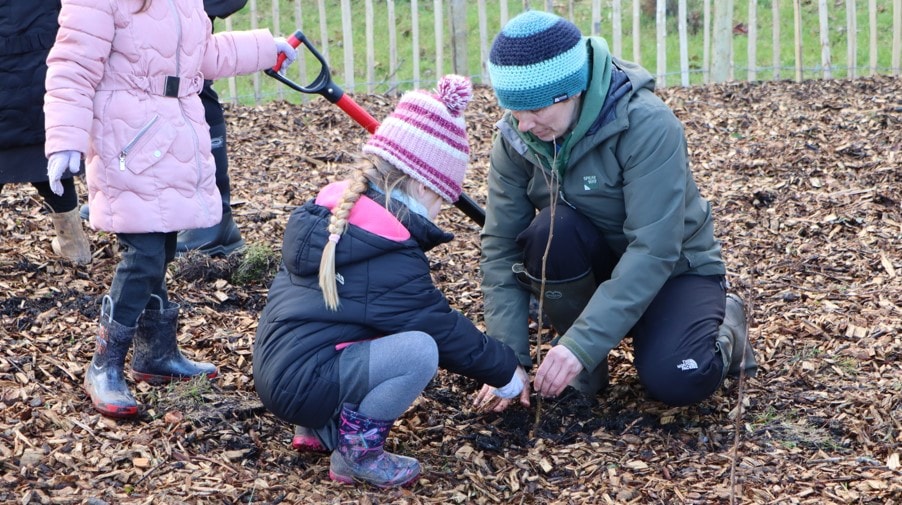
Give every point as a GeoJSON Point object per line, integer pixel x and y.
{"type": "Point", "coordinates": [806, 184]}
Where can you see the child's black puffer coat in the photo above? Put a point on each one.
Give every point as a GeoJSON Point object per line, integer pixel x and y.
{"type": "Point", "coordinates": [385, 288]}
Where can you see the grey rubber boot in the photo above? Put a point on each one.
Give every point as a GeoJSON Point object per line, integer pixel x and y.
{"type": "Point", "coordinates": [563, 302]}
{"type": "Point", "coordinates": [70, 241]}
{"type": "Point", "coordinates": [104, 380]}
{"type": "Point", "coordinates": [360, 455]}
{"type": "Point", "coordinates": [733, 342]}
{"type": "Point", "coordinates": [157, 359]}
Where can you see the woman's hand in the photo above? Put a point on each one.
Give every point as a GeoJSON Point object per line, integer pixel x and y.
{"type": "Point", "coordinates": [557, 370]}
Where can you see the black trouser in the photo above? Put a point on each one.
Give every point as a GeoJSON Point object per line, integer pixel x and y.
{"type": "Point", "coordinates": [141, 273]}
{"type": "Point", "coordinates": [57, 203]}
{"type": "Point", "coordinates": [216, 121]}
{"type": "Point", "coordinates": [673, 340]}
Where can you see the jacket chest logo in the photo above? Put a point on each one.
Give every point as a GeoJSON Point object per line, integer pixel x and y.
{"type": "Point", "coordinates": [590, 182]}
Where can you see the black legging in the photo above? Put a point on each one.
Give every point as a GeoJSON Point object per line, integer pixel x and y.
{"type": "Point", "coordinates": [674, 339]}
{"type": "Point", "coordinates": [57, 203]}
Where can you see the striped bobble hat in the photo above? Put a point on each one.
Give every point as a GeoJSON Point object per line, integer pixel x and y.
{"type": "Point", "coordinates": [426, 137]}
{"type": "Point", "coordinates": [538, 59]}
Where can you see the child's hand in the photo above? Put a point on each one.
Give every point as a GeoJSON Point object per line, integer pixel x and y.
{"type": "Point", "coordinates": [291, 54]}
{"type": "Point", "coordinates": [57, 164]}
{"type": "Point", "coordinates": [498, 399]}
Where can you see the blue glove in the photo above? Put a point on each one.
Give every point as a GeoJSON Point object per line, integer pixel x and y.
{"type": "Point", "coordinates": [57, 164]}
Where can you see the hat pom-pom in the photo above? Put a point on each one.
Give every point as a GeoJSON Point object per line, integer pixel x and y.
{"type": "Point", "coordinates": [455, 92]}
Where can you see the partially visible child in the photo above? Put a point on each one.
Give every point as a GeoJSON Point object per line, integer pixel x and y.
{"type": "Point", "coordinates": [27, 30]}
{"type": "Point", "coordinates": [122, 89]}
{"type": "Point", "coordinates": [354, 328]}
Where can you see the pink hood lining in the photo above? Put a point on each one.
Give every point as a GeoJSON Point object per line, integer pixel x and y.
{"type": "Point", "coordinates": [366, 213]}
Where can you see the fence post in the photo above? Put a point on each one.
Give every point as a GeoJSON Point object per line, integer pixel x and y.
{"type": "Point", "coordinates": [851, 39]}
{"type": "Point", "coordinates": [370, 48]}
{"type": "Point", "coordinates": [872, 31]}
{"type": "Point", "coordinates": [637, 21]}
{"type": "Point", "coordinates": [483, 42]}
{"type": "Point", "coordinates": [299, 25]}
{"type": "Point", "coordinates": [617, 28]}
{"type": "Point", "coordinates": [753, 41]}
{"type": "Point", "coordinates": [323, 30]}
{"type": "Point", "coordinates": [439, 38]}
{"type": "Point", "coordinates": [459, 38]}
{"type": "Point", "coordinates": [684, 45]}
{"type": "Point", "coordinates": [826, 59]}
{"type": "Point", "coordinates": [797, 22]}
{"type": "Point", "coordinates": [347, 34]}
{"type": "Point", "coordinates": [897, 37]}
{"type": "Point", "coordinates": [777, 60]}
{"type": "Point", "coordinates": [723, 40]}
{"type": "Point", "coordinates": [706, 50]}
{"type": "Point", "coordinates": [415, 40]}
{"type": "Point", "coordinates": [392, 47]}
{"type": "Point", "coordinates": [661, 44]}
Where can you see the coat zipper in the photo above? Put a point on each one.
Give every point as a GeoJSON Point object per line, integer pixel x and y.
{"type": "Point", "coordinates": [128, 147]}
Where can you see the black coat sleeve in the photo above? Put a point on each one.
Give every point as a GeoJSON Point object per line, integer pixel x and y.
{"type": "Point", "coordinates": [223, 8]}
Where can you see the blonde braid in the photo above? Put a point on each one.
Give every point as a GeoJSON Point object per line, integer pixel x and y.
{"type": "Point", "coordinates": [338, 223]}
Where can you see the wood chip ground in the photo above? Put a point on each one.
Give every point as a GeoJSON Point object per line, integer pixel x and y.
{"type": "Point", "coordinates": [806, 184]}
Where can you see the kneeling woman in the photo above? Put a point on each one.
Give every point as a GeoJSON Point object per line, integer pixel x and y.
{"type": "Point", "coordinates": [354, 328]}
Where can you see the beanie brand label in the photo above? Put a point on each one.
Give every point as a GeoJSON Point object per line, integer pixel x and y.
{"type": "Point", "coordinates": [560, 98]}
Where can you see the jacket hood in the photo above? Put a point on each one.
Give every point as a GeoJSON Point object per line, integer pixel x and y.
{"type": "Point", "coordinates": [373, 231]}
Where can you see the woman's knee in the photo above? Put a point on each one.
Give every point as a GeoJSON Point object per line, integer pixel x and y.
{"type": "Point", "coordinates": [680, 384]}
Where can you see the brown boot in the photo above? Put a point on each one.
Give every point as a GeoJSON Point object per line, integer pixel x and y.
{"type": "Point", "coordinates": [70, 241]}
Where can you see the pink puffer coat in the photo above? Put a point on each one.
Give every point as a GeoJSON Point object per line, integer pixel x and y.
{"type": "Point", "coordinates": [122, 89]}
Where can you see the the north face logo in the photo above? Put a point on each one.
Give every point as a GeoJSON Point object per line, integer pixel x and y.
{"type": "Point", "coordinates": [688, 364]}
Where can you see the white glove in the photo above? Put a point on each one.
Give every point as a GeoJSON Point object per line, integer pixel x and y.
{"type": "Point", "coordinates": [291, 54]}
{"type": "Point", "coordinates": [513, 388]}
{"type": "Point", "coordinates": [57, 164]}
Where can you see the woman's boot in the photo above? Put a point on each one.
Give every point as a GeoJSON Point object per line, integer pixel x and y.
{"type": "Point", "coordinates": [157, 359]}
{"type": "Point", "coordinates": [104, 380]}
{"type": "Point", "coordinates": [733, 340]}
{"type": "Point", "coordinates": [360, 455]}
{"type": "Point", "coordinates": [70, 241]}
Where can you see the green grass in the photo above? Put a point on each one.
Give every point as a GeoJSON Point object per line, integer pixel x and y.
{"type": "Point", "coordinates": [811, 60]}
{"type": "Point", "coordinates": [258, 263]}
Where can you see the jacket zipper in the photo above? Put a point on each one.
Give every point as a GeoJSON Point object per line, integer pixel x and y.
{"type": "Point", "coordinates": [128, 147]}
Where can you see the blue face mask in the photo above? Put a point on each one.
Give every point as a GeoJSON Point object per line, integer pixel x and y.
{"type": "Point", "coordinates": [412, 203]}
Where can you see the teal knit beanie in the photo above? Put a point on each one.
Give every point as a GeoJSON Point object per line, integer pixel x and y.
{"type": "Point", "coordinates": [538, 59]}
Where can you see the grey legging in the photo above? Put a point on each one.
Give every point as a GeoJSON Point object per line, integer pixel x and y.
{"type": "Point", "coordinates": [383, 377]}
